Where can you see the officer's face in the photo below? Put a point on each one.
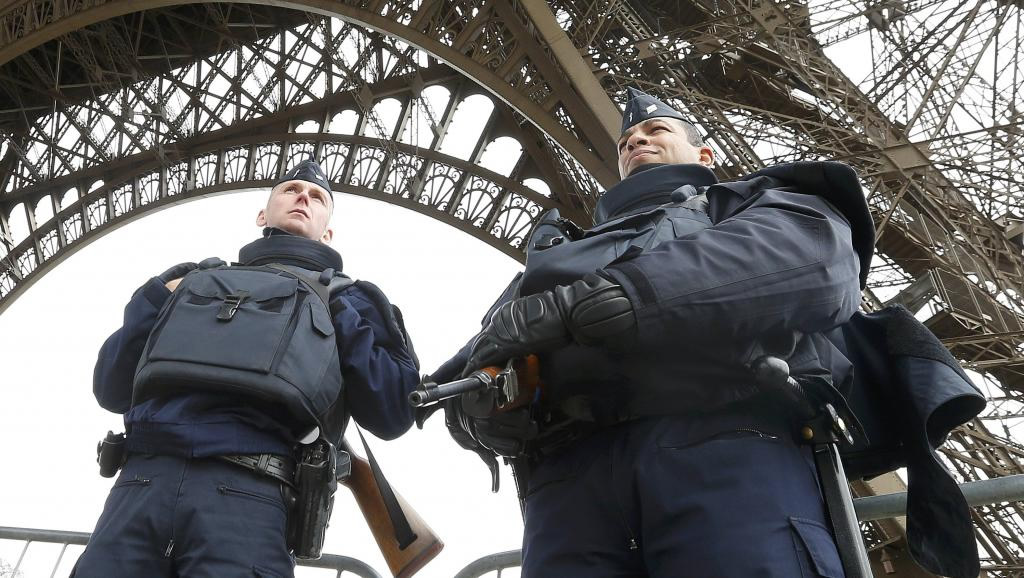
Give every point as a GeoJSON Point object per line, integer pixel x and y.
{"type": "Point", "coordinates": [659, 140]}
{"type": "Point", "coordinates": [301, 208]}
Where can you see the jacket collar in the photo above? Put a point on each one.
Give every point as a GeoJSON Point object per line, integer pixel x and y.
{"type": "Point", "coordinates": [281, 247]}
{"type": "Point", "coordinates": [649, 187]}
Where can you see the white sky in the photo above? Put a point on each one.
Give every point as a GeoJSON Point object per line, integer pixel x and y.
{"type": "Point", "coordinates": [443, 279]}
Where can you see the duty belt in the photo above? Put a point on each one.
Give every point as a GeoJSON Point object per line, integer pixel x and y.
{"type": "Point", "coordinates": [276, 467]}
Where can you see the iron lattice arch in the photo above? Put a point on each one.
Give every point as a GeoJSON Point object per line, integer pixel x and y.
{"type": "Point", "coordinates": [206, 138]}
{"type": "Point", "coordinates": [186, 95]}
{"type": "Point", "coordinates": [489, 205]}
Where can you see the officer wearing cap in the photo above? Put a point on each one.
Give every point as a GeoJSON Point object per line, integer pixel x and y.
{"type": "Point", "coordinates": [204, 488]}
{"type": "Point", "coordinates": [652, 451]}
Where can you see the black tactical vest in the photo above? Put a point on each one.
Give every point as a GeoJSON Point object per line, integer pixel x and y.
{"type": "Point", "coordinates": [262, 332]}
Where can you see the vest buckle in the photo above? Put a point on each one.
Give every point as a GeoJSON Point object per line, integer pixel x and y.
{"type": "Point", "coordinates": [230, 305]}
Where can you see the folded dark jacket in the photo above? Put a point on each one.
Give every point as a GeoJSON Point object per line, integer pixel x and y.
{"type": "Point", "coordinates": [909, 393]}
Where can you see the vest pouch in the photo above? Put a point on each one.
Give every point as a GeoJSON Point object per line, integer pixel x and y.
{"type": "Point", "coordinates": [234, 318]}
{"type": "Point", "coordinates": [307, 357]}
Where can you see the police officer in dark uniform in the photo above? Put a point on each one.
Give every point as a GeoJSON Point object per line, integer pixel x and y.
{"type": "Point", "coordinates": [203, 490]}
{"type": "Point", "coordinates": [652, 451]}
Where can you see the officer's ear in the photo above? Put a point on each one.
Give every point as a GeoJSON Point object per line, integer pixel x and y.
{"type": "Point", "coordinates": [707, 156]}
{"type": "Point", "coordinates": [327, 236]}
{"type": "Point", "coordinates": [261, 218]}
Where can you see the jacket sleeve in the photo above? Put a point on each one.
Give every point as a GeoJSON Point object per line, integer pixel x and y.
{"type": "Point", "coordinates": [377, 365]}
{"type": "Point", "coordinates": [115, 367]}
{"type": "Point", "coordinates": [784, 261]}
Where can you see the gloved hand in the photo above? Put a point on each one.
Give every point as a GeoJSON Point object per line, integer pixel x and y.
{"type": "Point", "coordinates": [459, 426]}
{"type": "Point", "coordinates": [177, 272]}
{"type": "Point", "coordinates": [589, 311]}
{"type": "Point", "coordinates": [453, 419]}
{"type": "Point", "coordinates": [504, 434]}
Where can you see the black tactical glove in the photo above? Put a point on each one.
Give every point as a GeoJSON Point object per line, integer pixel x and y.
{"type": "Point", "coordinates": [504, 434]}
{"type": "Point", "coordinates": [457, 424]}
{"type": "Point", "coordinates": [177, 272]}
{"type": "Point", "coordinates": [589, 311]}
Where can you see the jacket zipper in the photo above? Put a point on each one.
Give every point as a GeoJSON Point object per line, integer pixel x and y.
{"type": "Point", "coordinates": [757, 432]}
{"type": "Point", "coordinates": [136, 481]}
{"type": "Point", "coordinates": [725, 435]}
{"type": "Point", "coordinates": [246, 494]}
{"type": "Point", "coordinates": [632, 545]}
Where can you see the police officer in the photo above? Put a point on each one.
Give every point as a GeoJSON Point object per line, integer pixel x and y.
{"type": "Point", "coordinates": [203, 489]}
{"type": "Point", "coordinates": [652, 451]}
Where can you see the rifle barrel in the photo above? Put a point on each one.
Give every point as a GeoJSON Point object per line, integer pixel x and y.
{"type": "Point", "coordinates": [422, 397]}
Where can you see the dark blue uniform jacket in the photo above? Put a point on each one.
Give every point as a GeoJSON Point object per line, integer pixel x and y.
{"type": "Point", "coordinates": [771, 263]}
{"type": "Point", "coordinates": [379, 373]}
{"type": "Point", "coordinates": [710, 281]}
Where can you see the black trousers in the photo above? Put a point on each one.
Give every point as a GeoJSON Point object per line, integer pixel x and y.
{"type": "Point", "coordinates": [676, 497]}
{"type": "Point", "coordinates": [169, 516]}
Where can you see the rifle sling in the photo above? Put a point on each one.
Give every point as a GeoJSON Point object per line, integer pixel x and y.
{"type": "Point", "coordinates": [403, 532]}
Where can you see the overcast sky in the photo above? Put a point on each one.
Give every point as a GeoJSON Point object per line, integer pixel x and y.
{"type": "Point", "coordinates": [443, 280]}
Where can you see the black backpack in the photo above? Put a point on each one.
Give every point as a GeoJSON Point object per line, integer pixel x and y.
{"type": "Point", "coordinates": [261, 332]}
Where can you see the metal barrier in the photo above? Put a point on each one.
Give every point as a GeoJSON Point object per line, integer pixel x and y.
{"type": "Point", "coordinates": [491, 563]}
{"type": "Point", "coordinates": [996, 490]}
{"type": "Point", "coordinates": [334, 562]}
{"type": "Point", "coordinates": [978, 493]}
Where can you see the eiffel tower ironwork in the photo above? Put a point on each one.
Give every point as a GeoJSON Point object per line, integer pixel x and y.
{"type": "Point", "coordinates": [111, 109]}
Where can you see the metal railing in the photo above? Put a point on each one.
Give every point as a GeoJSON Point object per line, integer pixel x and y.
{"type": "Point", "coordinates": [492, 563]}
{"type": "Point", "coordinates": [1005, 489]}
{"type": "Point", "coordinates": [334, 562]}
{"type": "Point", "coordinates": [977, 493]}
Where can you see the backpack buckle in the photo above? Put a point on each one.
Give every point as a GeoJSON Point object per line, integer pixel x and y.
{"type": "Point", "coordinates": [230, 305]}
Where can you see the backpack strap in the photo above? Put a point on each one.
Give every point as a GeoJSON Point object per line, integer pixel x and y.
{"type": "Point", "coordinates": [324, 284]}
{"type": "Point", "coordinates": [211, 263]}
{"type": "Point", "coordinates": [329, 282]}
{"type": "Point", "coordinates": [338, 282]}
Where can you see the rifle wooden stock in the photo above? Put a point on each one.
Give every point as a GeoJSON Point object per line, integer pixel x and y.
{"type": "Point", "coordinates": [402, 562]}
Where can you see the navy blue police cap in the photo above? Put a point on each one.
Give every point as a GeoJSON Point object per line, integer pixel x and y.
{"type": "Point", "coordinates": [641, 106]}
{"type": "Point", "coordinates": [309, 171]}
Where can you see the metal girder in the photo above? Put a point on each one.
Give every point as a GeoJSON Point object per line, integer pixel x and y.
{"type": "Point", "coordinates": [579, 72]}
{"type": "Point", "coordinates": [207, 118]}
{"type": "Point", "coordinates": [478, 46]}
{"type": "Point", "coordinates": [934, 128]}
{"type": "Point", "coordinates": [489, 206]}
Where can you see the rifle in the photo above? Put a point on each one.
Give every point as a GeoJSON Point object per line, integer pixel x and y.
{"type": "Point", "coordinates": [403, 560]}
{"type": "Point", "coordinates": [489, 390]}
